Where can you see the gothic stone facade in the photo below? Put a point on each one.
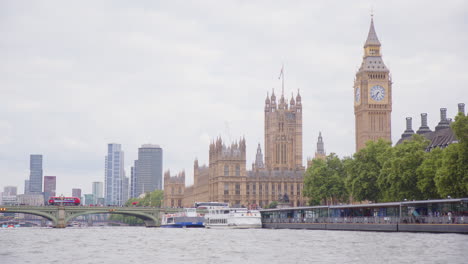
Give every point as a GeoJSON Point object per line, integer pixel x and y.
{"type": "Point", "coordinates": [174, 188]}
{"type": "Point", "coordinates": [283, 133]}
{"type": "Point", "coordinates": [226, 178]}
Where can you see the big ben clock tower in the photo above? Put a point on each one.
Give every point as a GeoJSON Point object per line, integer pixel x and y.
{"type": "Point", "coordinates": [372, 94]}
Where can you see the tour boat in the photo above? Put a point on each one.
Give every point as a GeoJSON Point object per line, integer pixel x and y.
{"type": "Point", "coordinates": [220, 215]}
{"type": "Point", "coordinates": [186, 219]}
{"type": "Point", "coordinates": [10, 225]}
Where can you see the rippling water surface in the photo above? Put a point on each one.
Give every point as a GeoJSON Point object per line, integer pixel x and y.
{"type": "Point", "coordinates": [153, 245]}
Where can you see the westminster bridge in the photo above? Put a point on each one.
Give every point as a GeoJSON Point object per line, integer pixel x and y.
{"type": "Point", "coordinates": [61, 215]}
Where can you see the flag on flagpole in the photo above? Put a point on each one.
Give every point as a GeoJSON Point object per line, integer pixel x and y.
{"type": "Point", "coordinates": [281, 72]}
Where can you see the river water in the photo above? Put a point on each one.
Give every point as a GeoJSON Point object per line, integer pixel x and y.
{"type": "Point", "coordinates": [160, 245]}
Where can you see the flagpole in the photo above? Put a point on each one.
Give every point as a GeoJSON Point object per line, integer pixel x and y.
{"type": "Point", "coordinates": [283, 79]}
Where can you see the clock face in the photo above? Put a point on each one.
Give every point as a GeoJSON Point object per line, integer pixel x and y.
{"type": "Point", "coordinates": [377, 93]}
{"type": "Point", "coordinates": [358, 94]}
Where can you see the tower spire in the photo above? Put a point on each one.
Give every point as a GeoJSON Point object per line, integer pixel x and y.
{"type": "Point", "coordinates": [372, 39]}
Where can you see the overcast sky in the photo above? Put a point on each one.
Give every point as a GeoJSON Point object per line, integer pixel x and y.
{"type": "Point", "coordinates": [77, 75]}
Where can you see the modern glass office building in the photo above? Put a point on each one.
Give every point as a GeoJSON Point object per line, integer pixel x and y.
{"type": "Point", "coordinates": [147, 172]}
{"type": "Point", "coordinates": [35, 175]}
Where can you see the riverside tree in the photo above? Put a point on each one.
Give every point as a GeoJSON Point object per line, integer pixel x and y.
{"type": "Point", "coordinates": [452, 177]}
{"type": "Point", "coordinates": [380, 172]}
{"type": "Point", "coordinates": [324, 181]}
{"type": "Point", "coordinates": [364, 169]}
{"type": "Point", "coordinates": [398, 179]}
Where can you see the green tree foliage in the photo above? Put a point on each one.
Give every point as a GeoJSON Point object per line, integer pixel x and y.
{"type": "Point", "coordinates": [364, 169]}
{"type": "Point", "coordinates": [324, 181]}
{"type": "Point", "coordinates": [398, 178]}
{"type": "Point", "coordinates": [427, 172]}
{"type": "Point", "coordinates": [380, 172]}
{"type": "Point", "coordinates": [452, 177]}
{"type": "Point", "coordinates": [153, 199]}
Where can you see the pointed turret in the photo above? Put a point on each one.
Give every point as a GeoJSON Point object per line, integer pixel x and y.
{"type": "Point", "coordinates": [320, 146]}
{"type": "Point", "coordinates": [298, 98]}
{"type": "Point", "coordinates": [259, 158]}
{"type": "Point", "coordinates": [320, 153]}
{"type": "Point", "coordinates": [273, 100]}
{"type": "Point", "coordinates": [372, 39]}
{"type": "Point", "coordinates": [292, 102]}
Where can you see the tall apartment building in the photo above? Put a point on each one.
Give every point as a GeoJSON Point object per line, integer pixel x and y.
{"type": "Point", "coordinates": [146, 174]}
{"type": "Point", "coordinates": [114, 174]}
{"type": "Point", "coordinates": [35, 175]}
{"type": "Point", "coordinates": [50, 186]}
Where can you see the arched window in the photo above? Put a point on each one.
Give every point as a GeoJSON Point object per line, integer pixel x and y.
{"type": "Point", "coordinates": [226, 170]}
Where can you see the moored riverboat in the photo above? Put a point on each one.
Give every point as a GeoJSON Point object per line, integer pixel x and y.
{"type": "Point", "coordinates": [220, 215]}
{"type": "Point", "coordinates": [186, 219]}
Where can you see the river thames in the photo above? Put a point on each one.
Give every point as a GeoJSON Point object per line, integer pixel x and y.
{"type": "Point", "coordinates": [159, 245]}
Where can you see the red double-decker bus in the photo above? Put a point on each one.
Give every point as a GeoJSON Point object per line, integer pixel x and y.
{"type": "Point", "coordinates": [64, 201]}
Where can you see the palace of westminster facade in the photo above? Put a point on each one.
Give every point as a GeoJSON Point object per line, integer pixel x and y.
{"type": "Point", "coordinates": [281, 173]}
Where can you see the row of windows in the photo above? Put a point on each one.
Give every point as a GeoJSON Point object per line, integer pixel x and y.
{"type": "Point", "coordinates": [176, 203]}
{"type": "Point", "coordinates": [281, 153]}
{"type": "Point", "coordinates": [217, 221]}
{"type": "Point", "coordinates": [236, 191]}
{"type": "Point", "coordinates": [377, 76]}
{"type": "Point", "coordinates": [252, 188]}
{"type": "Point", "coordinates": [237, 170]}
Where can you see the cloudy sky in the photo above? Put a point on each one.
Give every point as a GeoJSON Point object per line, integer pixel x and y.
{"type": "Point", "coordinates": [76, 75]}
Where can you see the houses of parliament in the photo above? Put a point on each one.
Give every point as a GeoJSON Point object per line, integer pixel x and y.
{"type": "Point", "coordinates": [280, 175]}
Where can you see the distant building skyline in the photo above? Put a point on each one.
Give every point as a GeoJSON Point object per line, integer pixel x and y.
{"type": "Point", "coordinates": [76, 192]}
{"type": "Point", "coordinates": [98, 189]}
{"type": "Point", "coordinates": [35, 175]}
{"type": "Point", "coordinates": [147, 172]}
{"type": "Point", "coordinates": [50, 186]}
{"type": "Point", "coordinates": [26, 186]}
{"type": "Point", "coordinates": [10, 190]}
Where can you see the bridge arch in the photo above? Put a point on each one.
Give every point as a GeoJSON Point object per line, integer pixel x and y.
{"type": "Point", "coordinates": [46, 215]}
{"type": "Point", "coordinates": [149, 220]}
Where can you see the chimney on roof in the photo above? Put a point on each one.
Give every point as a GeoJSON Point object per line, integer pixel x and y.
{"type": "Point", "coordinates": [409, 130]}
{"type": "Point", "coordinates": [423, 128]}
{"type": "Point", "coordinates": [461, 108]}
{"type": "Point", "coordinates": [444, 123]}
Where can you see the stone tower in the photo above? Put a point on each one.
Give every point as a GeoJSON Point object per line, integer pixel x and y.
{"type": "Point", "coordinates": [372, 94]}
{"type": "Point", "coordinates": [174, 187]}
{"type": "Point", "coordinates": [320, 153]}
{"type": "Point", "coordinates": [227, 173]}
{"type": "Point", "coordinates": [283, 133]}
{"type": "Point", "coordinates": [258, 165]}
